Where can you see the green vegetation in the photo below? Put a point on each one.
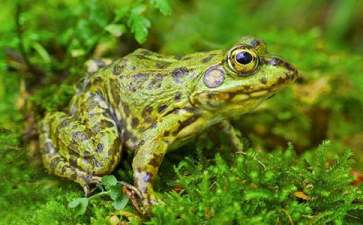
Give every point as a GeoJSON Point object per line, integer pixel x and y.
{"type": "Point", "coordinates": [45, 44]}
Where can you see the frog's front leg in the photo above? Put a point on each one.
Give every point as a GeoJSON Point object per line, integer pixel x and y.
{"type": "Point", "coordinates": [84, 145]}
{"type": "Point", "coordinates": [145, 166]}
{"type": "Point", "coordinates": [233, 134]}
{"type": "Point", "coordinates": [156, 142]}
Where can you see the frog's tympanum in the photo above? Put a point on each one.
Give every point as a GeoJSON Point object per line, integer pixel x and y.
{"type": "Point", "coordinates": [150, 104]}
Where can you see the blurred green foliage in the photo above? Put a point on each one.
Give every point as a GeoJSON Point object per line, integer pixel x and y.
{"type": "Point", "coordinates": [44, 45]}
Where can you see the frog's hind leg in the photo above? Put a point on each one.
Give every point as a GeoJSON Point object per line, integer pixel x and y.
{"type": "Point", "coordinates": [81, 148]}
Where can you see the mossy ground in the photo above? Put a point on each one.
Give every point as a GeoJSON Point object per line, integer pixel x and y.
{"type": "Point", "coordinates": [202, 183]}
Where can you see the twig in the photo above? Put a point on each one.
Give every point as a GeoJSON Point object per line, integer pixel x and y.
{"type": "Point", "coordinates": [288, 216]}
{"type": "Point", "coordinates": [253, 157]}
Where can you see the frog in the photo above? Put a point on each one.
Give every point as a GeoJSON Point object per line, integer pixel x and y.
{"type": "Point", "coordinates": [149, 104]}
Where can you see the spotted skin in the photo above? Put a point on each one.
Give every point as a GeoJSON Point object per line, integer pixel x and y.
{"type": "Point", "coordinates": [150, 104]}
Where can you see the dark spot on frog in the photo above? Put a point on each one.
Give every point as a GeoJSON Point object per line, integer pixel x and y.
{"type": "Point", "coordinates": [142, 142]}
{"type": "Point", "coordinates": [280, 81]}
{"type": "Point", "coordinates": [99, 148]}
{"type": "Point", "coordinates": [177, 96]}
{"type": "Point", "coordinates": [96, 163]}
{"type": "Point", "coordinates": [95, 80]}
{"type": "Point", "coordinates": [207, 59]}
{"type": "Point", "coordinates": [247, 87]}
{"type": "Point", "coordinates": [179, 73]}
{"type": "Point", "coordinates": [162, 64]}
{"type": "Point", "coordinates": [162, 108]}
{"type": "Point", "coordinates": [106, 123]}
{"type": "Point", "coordinates": [134, 122]}
{"type": "Point", "coordinates": [156, 81]}
{"type": "Point", "coordinates": [137, 81]}
{"type": "Point", "coordinates": [166, 133]}
{"type": "Point", "coordinates": [86, 154]}
{"type": "Point", "coordinates": [140, 77]}
{"type": "Point", "coordinates": [263, 80]}
{"type": "Point", "coordinates": [117, 69]}
{"type": "Point", "coordinates": [156, 160]}
{"type": "Point", "coordinates": [146, 111]}
{"type": "Point", "coordinates": [148, 120]}
{"type": "Point", "coordinates": [183, 124]}
{"type": "Point", "coordinates": [146, 114]}
{"type": "Point", "coordinates": [79, 136]}
{"type": "Point", "coordinates": [64, 123]}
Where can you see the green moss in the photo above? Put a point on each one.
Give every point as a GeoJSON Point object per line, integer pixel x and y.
{"type": "Point", "coordinates": [311, 189]}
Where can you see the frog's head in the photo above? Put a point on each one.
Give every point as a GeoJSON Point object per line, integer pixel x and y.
{"type": "Point", "coordinates": [244, 77]}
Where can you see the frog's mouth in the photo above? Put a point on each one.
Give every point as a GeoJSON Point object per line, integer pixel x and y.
{"type": "Point", "coordinates": [245, 93]}
{"type": "Point", "coordinates": [263, 87]}
{"type": "Point", "coordinates": [267, 86]}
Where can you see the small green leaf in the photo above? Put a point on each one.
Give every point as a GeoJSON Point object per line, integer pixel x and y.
{"type": "Point", "coordinates": [109, 181]}
{"type": "Point", "coordinates": [115, 192]}
{"type": "Point", "coordinates": [120, 203]}
{"type": "Point", "coordinates": [42, 52]}
{"type": "Point", "coordinates": [163, 6]}
{"type": "Point", "coordinates": [122, 12]}
{"type": "Point", "coordinates": [138, 10]}
{"type": "Point", "coordinates": [77, 52]}
{"type": "Point", "coordinates": [80, 204]}
{"type": "Point", "coordinates": [139, 26]}
{"type": "Point", "coordinates": [138, 23]}
{"type": "Point", "coordinates": [116, 29]}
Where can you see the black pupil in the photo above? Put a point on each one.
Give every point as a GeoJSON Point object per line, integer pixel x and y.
{"type": "Point", "coordinates": [244, 57]}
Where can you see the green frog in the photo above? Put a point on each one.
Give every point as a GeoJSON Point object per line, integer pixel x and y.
{"type": "Point", "coordinates": [150, 104]}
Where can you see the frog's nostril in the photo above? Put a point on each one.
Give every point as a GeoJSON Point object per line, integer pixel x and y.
{"type": "Point", "coordinates": [275, 61]}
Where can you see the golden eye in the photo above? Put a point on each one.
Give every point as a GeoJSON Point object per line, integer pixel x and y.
{"type": "Point", "coordinates": [242, 60]}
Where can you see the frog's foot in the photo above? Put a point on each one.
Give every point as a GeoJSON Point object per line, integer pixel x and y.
{"type": "Point", "coordinates": [134, 195]}
{"type": "Point", "coordinates": [142, 203]}
{"type": "Point", "coordinates": [89, 184]}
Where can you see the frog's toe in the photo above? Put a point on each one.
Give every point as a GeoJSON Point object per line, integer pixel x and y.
{"type": "Point", "coordinates": [151, 200]}
{"type": "Point", "coordinates": [90, 184]}
{"type": "Point", "coordinates": [135, 197]}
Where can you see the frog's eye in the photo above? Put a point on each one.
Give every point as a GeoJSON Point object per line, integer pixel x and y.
{"type": "Point", "coordinates": [242, 60]}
